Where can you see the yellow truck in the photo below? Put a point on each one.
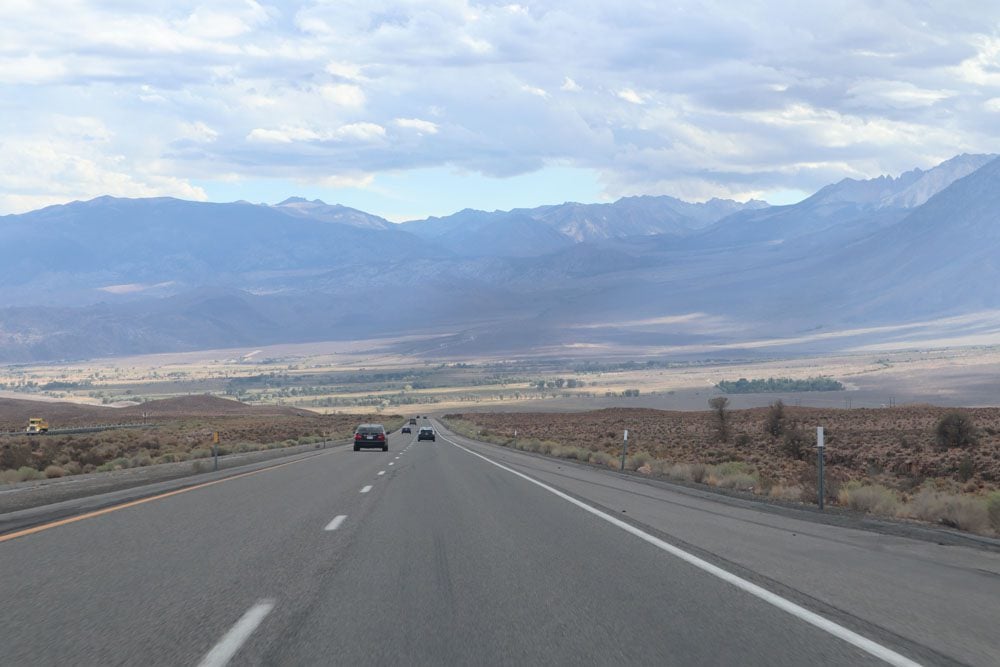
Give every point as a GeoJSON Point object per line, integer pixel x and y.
{"type": "Point", "coordinates": [37, 425]}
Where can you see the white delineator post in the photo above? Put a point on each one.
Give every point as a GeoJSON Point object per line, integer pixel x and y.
{"type": "Point", "coordinates": [624, 449]}
{"type": "Point", "coordinates": [820, 446]}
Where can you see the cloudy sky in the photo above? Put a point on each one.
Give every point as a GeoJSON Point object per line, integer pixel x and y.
{"type": "Point", "coordinates": [414, 108]}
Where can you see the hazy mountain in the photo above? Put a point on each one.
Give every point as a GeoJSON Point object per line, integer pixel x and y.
{"type": "Point", "coordinates": [908, 190]}
{"type": "Point", "coordinates": [109, 247]}
{"type": "Point", "coordinates": [838, 213]}
{"type": "Point", "coordinates": [335, 213]}
{"type": "Point", "coordinates": [858, 255]}
{"type": "Point", "coordinates": [941, 258]}
{"type": "Point", "coordinates": [473, 233]}
{"type": "Point", "coordinates": [573, 222]}
{"type": "Point", "coordinates": [636, 216]}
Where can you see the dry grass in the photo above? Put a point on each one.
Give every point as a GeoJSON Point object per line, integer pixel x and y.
{"type": "Point", "coordinates": [964, 512]}
{"type": "Point", "coordinates": [874, 498]}
{"type": "Point", "coordinates": [782, 492]}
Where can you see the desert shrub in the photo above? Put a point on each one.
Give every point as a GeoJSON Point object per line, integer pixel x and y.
{"type": "Point", "coordinates": [677, 471]}
{"type": "Point", "coordinates": [637, 460]}
{"type": "Point", "coordinates": [741, 481]}
{"type": "Point", "coordinates": [140, 461]}
{"type": "Point", "coordinates": [774, 423]}
{"type": "Point", "coordinates": [782, 492]}
{"type": "Point", "coordinates": [575, 453]}
{"type": "Point", "coordinates": [601, 458]}
{"type": "Point", "coordinates": [956, 511]}
{"type": "Point", "coordinates": [73, 468]}
{"type": "Point", "coordinates": [720, 414]}
{"type": "Point", "coordinates": [795, 443]}
{"type": "Point", "coordinates": [730, 468]}
{"type": "Point", "coordinates": [54, 471]}
{"type": "Point", "coordinates": [201, 453]}
{"type": "Point", "coordinates": [15, 455]}
{"type": "Point", "coordinates": [966, 468]}
{"type": "Point", "coordinates": [743, 440]}
{"type": "Point", "coordinates": [26, 473]}
{"type": "Point", "coordinates": [956, 429]}
{"type": "Point", "coordinates": [873, 498]}
{"type": "Point", "coordinates": [697, 472]}
{"type": "Point", "coordinates": [9, 477]}
{"type": "Point", "coordinates": [993, 510]}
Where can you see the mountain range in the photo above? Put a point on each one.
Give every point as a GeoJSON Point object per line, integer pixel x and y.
{"type": "Point", "coordinates": [856, 263]}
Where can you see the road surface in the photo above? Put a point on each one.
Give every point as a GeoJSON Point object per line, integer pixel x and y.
{"type": "Point", "coordinates": [462, 553]}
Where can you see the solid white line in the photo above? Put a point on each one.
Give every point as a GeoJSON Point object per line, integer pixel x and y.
{"type": "Point", "coordinates": [882, 652]}
{"type": "Point", "coordinates": [381, 472]}
{"type": "Point", "coordinates": [366, 489]}
{"type": "Point", "coordinates": [335, 524]}
{"type": "Point", "coordinates": [233, 640]}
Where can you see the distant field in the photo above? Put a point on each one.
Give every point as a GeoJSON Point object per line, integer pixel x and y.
{"type": "Point", "coordinates": [372, 377]}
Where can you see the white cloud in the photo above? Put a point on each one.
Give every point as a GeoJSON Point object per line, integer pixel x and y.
{"type": "Point", "coordinates": [360, 132]}
{"type": "Point", "coordinates": [282, 135]}
{"type": "Point", "coordinates": [677, 97]}
{"type": "Point", "coordinates": [349, 180]}
{"type": "Point", "coordinates": [421, 126]}
{"type": "Point", "coordinates": [570, 86]}
{"type": "Point", "coordinates": [630, 96]}
{"type": "Point", "coordinates": [345, 95]}
{"type": "Point", "coordinates": [343, 70]}
{"type": "Point", "coordinates": [198, 131]}
{"type": "Point", "coordinates": [533, 90]}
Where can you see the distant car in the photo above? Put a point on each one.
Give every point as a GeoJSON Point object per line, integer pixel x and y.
{"type": "Point", "coordinates": [426, 433]}
{"type": "Point", "coordinates": [413, 421]}
{"type": "Point", "coordinates": [406, 429]}
{"type": "Point", "coordinates": [371, 435]}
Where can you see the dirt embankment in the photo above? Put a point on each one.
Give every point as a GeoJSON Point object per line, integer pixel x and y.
{"type": "Point", "coordinates": [14, 413]}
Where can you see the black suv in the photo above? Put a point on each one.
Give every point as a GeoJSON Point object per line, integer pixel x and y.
{"type": "Point", "coordinates": [371, 435]}
{"type": "Point", "coordinates": [426, 433]}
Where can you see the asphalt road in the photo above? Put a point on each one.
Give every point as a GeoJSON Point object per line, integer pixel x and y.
{"type": "Point", "coordinates": [463, 553]}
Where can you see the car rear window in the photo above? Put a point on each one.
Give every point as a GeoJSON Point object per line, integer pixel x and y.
{"type": "Point", "coordinates": [371, 428]}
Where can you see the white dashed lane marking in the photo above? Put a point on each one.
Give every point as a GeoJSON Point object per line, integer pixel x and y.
{"type": "Point", "coordinates": [335, 524]}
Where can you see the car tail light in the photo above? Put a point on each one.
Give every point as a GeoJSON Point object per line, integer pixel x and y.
{"type": "Point", "coordinates": [381, 436]}
{"type": "Point", "coordinates": [357, 436]}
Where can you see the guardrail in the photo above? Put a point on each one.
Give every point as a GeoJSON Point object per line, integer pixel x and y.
{"type": "Point", "coordinates": [82, 429]}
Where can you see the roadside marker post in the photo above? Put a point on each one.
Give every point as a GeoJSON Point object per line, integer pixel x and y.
{"type": "Point", "coordinates": [820, 446]}
{"type": "Point", "coordinates": [624, 450]}
{"type": "Point", "coordinates": [215, 451]}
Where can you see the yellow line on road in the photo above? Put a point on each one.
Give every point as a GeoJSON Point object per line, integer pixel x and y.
{"type": "Point", "coordinates": [133, 503]}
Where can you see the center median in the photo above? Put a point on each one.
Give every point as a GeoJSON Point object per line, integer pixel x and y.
{"type": "Point", "coordinates": [26, 506]}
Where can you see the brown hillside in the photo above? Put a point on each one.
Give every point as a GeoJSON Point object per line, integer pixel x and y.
{"type": "Point", "coordinates": [14, 413]}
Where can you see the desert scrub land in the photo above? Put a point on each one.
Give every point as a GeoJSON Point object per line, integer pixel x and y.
{"type": "Point", "coordinates": [175, 430]}
{"type": "Point", "coordinates": [919, 462]}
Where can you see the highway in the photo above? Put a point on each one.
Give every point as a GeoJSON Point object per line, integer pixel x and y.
{"type": "Point", "coordinates": [461, 553]}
